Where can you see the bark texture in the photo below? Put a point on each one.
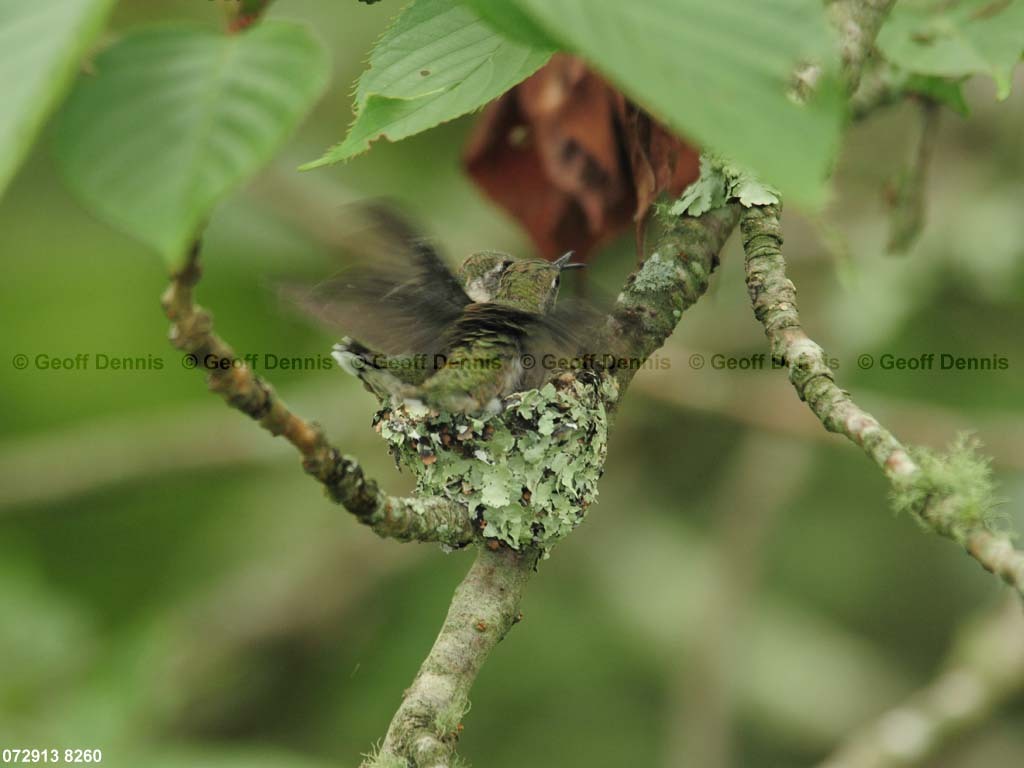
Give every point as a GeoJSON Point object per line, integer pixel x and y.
{"type": "Point", "coordinates": [426, 728]}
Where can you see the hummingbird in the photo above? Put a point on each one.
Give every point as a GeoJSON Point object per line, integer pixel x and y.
{"type": "Point", "coordinates": [419, 334]}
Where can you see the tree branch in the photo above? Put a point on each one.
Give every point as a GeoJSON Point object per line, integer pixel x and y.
{"type": "Point", "coordinates": [858, 22]}
{"type": "Point", "coordinates": [943, 497]}
{"type": "Point", "coordinates": [986, 668]}
{"type": "Point", "coordinates": [669, 282]}
{"type": "Point", "coordinates": [342, 477]}
{"type": "Point", "coordinates": [672, 279]}
{"type": "Point", "coordinates": [426, 728]}
{"type": "Point", "coordinates": [424, 731]}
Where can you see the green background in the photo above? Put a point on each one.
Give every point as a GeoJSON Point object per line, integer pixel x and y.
{"type": "Point", "coordinates": [174, 591]}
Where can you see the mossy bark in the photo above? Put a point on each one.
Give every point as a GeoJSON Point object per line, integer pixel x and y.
{"type": "Point", "coordinates": [426, 728]}
{"type": "Point", "coordinates": [950, 495]}
{"type": "Point", "coordinates": [668, 283]}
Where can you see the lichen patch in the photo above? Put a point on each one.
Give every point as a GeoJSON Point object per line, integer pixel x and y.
{"type": "Point", "coordinates": [526, 475]}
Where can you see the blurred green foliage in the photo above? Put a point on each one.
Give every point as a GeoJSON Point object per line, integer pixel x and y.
{"type": "Point", "coordinates": [175, 592]}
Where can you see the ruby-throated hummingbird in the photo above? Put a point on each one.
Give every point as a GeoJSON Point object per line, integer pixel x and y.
{"type": "Point", "coordinates": [454, 342]}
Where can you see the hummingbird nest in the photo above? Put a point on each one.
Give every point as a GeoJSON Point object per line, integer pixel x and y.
{"type": "Point", "coordinates": [526, 475]}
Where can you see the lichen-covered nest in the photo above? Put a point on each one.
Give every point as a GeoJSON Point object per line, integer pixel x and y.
{"type": "Point", "coordinates": [526, 475]}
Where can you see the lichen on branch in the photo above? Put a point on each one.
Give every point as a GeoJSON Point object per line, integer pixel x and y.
{"type": "Point", "coordinates": [951, 495]}
{"type": "Point", "coordinates": [721, 182]}
{"type": "Point", "coordinates": [669, 282]}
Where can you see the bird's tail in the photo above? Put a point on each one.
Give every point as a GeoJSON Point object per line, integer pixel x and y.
{"type": "Point", "coordinates": [404, 380]}
{"type": "Point", "coordinates": [372, 369]}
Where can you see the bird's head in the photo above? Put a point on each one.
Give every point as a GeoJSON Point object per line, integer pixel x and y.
{"type": "Point", "coordinates": [532, 285]}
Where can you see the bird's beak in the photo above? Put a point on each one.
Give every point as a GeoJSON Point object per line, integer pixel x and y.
{"type": "Point", "coordinates": [562, 262]}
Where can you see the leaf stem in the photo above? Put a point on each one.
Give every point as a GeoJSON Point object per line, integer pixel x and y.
{"type": "Point", "coordinates": [907, 217]}
{"type": "Point", "coordinates": [241, 14]}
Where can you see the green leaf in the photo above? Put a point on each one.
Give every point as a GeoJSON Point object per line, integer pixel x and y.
{"type": "Point", "coordinates": [719, 73]}
{"type": "Point", "coordinates": [438, 61]}
{"type": "Point", "coordinates": [176, 117]}
{"type": "Point", "coordinates": [940, 90]}
{"type": "Point", "coordinates": [956, 39]}
{"type": "Point", "coordinates": [41, 44]}
{"type": "Point", "coordinates": [511, 22]}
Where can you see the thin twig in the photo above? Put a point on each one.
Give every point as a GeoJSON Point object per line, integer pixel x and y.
{"type": "Point", "coordinates": [879, 89]}
{"type": "Point", "coordinates": [676, 275]}
{"type": "Point", "coordinates": [986, 668]}
{"type": "Point", "coordinates": [405, 519]}
{"type": "Point", "coordinates": [907, 217]}
{"type": "Point", "coordinates": [774, 298]}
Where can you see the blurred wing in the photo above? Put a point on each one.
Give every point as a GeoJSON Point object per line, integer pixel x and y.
{"type": "Point", "coordinates": [555, 341]}
{"type": "Point", "coordinates": [565, 338]}
{"type": "Point", "coordinates": [398, 244]}
{"type": "Point", "coordinates": [401, 299]}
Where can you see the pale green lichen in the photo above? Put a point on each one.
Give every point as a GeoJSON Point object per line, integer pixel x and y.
{"type": "Point", "coordinates": [721, 182]}
{"type": "Point", "coordinates": [526, 475]}
{"type": "Point", "coordinates": [449, 718]}
{"type": "Point", "coordinates": [953, 493]}
{"type": "Point", "coordinates": [656, 274]}
{"type": "Point", "coordinates": [377, 759]}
